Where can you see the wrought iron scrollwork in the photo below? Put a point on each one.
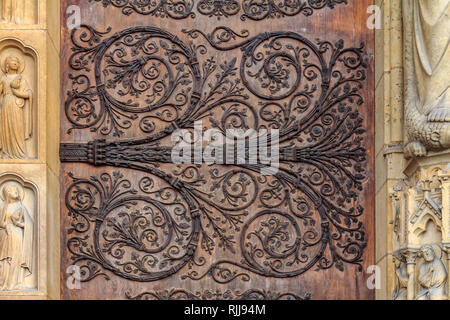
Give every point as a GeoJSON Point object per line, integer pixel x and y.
{"type": "Point", "coordinates": [138, 237]}
{"type": "Point", "coordinates": [263, 9]}
{"type": "Point", "coordinates": [222, 8]}
{"type": "Point", "coordinates": [251, 9]}
{"type": "Point", "coordinates": [306, 216]}
{"type": "Point", "coordinates": [175, 9]}
{"type": "Point", "coordinates": [181, 294]}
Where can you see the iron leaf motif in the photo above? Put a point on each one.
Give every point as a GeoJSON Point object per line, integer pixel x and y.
{"type": "Point", "coordinates": [250, 9]}
{"type": "Point", "coordinates": [305, 217]}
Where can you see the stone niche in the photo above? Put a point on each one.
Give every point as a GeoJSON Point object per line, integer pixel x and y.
{"type": "Point", "coordinates": [19, 225]}
{"type": "Point", "coordinates": [22, 143]}
{"type": "Point", "coordinates": [421, 239]}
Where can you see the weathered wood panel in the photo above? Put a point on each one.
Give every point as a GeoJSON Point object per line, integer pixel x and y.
{"type": "Point", "coordinates": [140, 226]}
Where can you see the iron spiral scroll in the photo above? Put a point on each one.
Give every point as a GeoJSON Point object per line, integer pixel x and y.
{"type": "Point", "coordinates": [255, 10]}
{"type": "Point", "coordinates": [305, 217]}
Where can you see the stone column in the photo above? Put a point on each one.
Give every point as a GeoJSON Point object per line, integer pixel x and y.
{"type": "Point", "coordinates": [389, 138]}
{"type": "Point", "coordinates": [29, 139]}
{"type": "Point", "coordinates": [447, 252]}
{"type": "Point", "coordinates": [411, 257]}
{"type": "Point", "coordinates": [445, 184]}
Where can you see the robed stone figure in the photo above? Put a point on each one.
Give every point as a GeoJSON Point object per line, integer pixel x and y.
{"type": "Point", "coordinates": [16, 240]}
{"type": "Point", "coordinates": [432, 276]}
{"type": "Point", "coordinates": [427, 65]}
{"type": "Point", "coordinates": [432, 38]}
{"type": "Point", "coordinates": [16, 101]}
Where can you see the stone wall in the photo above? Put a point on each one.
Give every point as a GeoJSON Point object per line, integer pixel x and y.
{"type": "Point", "coordinates": [412, 169]}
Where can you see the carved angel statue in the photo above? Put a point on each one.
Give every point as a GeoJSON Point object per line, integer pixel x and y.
{"type": "Point", "coordinates": [432, 274]}
{"type": "Point", "coordinates": [401, 279]}
{"type": "Point", "coordinates": [16, 239]}
{"type": "Point", "coordinates": [16, 102]}
{"type": "Point", "coordinates": [427, 56]}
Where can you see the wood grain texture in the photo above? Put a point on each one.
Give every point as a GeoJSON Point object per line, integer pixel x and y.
{"type": "Point", "coordinates": [137, 223]}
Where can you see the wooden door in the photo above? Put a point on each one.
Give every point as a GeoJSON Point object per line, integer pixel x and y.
{"type": "Point", "coordinates": [137, 226]}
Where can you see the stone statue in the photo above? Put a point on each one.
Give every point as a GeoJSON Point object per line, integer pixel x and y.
{"type": "Point", "coordinates": [432, 274]}
{"type": "Point", "coordinates": [16, 102]}
{"type": "Point", "coordinates": [401, 279]}
{"type": "Point", "coordinates": [427, 59]}
{"type": "Point", "coordinates": [16, 239]}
